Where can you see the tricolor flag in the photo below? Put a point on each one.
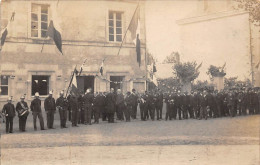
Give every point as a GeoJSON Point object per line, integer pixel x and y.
{"type": "Point", "coordinates": [55, 35]}
{"type": "Point", "coordinates": [101, 70]}
{"type": "Point", "coordinates": [81, 67]}
{"type": "Point", "coordinates": [74, 86]}
{"type": "Point", "coordinates": [54, 30]}
{"type": "Point", "coordinates": [4, 32]}
{"type": "Point", "coordinates": [134, 28]}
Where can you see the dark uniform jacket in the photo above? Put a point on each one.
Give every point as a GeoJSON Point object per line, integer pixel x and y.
{"type": "Point", "coordinates": [110, 102]}
{"type": "Point", "coordinates": [203, 100]}
{"type": "Point", "coordinates": [49, 104]}
{"type": "Point", "coordinates": [119, 99]}
{"type": "Point", "coordinates": [9, 110]}
{"type": "Point", "coordinates": [36, 105]}
{"type": "Point", "coordinates": [73, 103]}
{"type": "Point", "coordinates": [19, 106]}
{"type": "Point", "coordinates": [88, 99]}
{"type": "Point", "coordinates": [62, 103]}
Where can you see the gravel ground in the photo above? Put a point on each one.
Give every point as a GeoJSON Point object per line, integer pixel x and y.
{"type": "Point", "coordinates": [226, 140]}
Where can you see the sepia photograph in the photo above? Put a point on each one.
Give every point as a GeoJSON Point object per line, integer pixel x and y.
{"type": "Point", "coordinates": [130, 82]}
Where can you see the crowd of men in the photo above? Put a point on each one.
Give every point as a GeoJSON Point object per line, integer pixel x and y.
{"type": "Point", "coordinates": [89, 107]}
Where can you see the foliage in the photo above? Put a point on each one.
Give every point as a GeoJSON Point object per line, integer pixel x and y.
{"type": "Point", "coordinates": [174, 57]}
{"type": "Point", "coordinates": [168, 84]}
{"type": "Point", "coordinates": [233, 83]}
{"type": "Point", "coordinates": [200, 85]}
{"type": "Point", "coordinates": [253, 7]}
{"type": "Point", "coordinates": [186, 72]}
{"type": "Point", "coordinates": [215, 71]}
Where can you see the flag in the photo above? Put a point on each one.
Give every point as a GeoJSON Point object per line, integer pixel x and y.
{"type": "Point", "coordinates": [74, 86]}
{"type": "Point", "coordinates": [4, 32]}
{"type": "Point", "coordinates": [134, 28]}
{"type": "Point", "coordinates": [81, 67]}
{"type": "Point", "coordinates": [154, 68]}
{"type": "Point", "coordinates": [55, 35]}
{"type": "Point", "coordinates": [199, 66]}
{"type": "Point", "coordinates": [223, 66]}
{"type": "Point", "coordinates": [101, 70]}
{"type": "Point", "coordinates": [257, 66]}
{"type": "Point", "coordinates": [155, 80]}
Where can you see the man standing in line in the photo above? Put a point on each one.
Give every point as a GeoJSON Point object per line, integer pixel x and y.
{"type": "Point", "coordinates": [120, 106]}
{"type": "Point", "coordinates": [62, 106]}
{"type": "Point", "coordinates": [23, 111]}
{"type": "Point", "coordinates": [9, 112]}
{"type": "Point", "coordinates": [88, 105]}
{"type": "Point", "coordinates": [159, 104]}
{"type": "Point", "coordinates": [128, 103]}
{"type": "Point", "coordinates": [37, 111]}
{"type": "Point", "coordinates": [73, 106]}
{"type": "Point", "coordinates": [50, 108]}
{"type": "Point", "coordinates": [110, 105]}
{"type": "Point", "coordinates": [135, 104]}
{"type": "Point", "coordinates": [204, 106]}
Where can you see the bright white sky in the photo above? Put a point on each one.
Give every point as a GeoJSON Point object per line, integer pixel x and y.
{"type": "Point", "coordinates": [161, 27]}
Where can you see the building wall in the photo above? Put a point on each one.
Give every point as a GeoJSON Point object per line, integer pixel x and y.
{"type": "Point", "coordinates": [216, 34]}
{"type": "Point", "coordinates": [84, 30]}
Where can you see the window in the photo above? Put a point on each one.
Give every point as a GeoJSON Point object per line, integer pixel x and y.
{"type": "Point", "coordinates": [115, 26]}
{"type": "Point", "coordinates": [39, 21]}
{"type": "Point", "coordinates": [40, 84]}
{"type": "Point", "coordinates": [4, 85]}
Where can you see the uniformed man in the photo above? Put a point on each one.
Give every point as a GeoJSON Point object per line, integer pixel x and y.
{"type": "Point", "coordinates": [203, 106]}
{"type": "Point", "coordinates": [120, 106]}
{"type": "Point", "coordinates": [231, 103]}
{"type": "Point", "coordinates": [135, 103]}
{"type": "Point", "coordinates": [23, 111]}
{"type": "Point", "coordinates": [159, 104]}
{"type": "Point", "coordinates": [110, 105]}
{"type": "Point", "coordinates": [88, 105]}
{"type": "Point", "coordinates": [97, 106]}
{"type": "Point", "coordinates": [37, 111]}
{"type": "Point", "coordinates": [81, 114]}
{"type": "Point", "coordinates": [50, 108]}
{"type": "Point", "coordinates": [73, 106]}
{"type": "Point", "coordinates": [62, 106]}
{"type": "Point", "coordinates": [178, 102]}
{"type": "Point", "coordinates": [9, 113]}
{"type": "Point", "coordinates": [143, 106]}
{"type": "Point", "coordinates": [128, 103]}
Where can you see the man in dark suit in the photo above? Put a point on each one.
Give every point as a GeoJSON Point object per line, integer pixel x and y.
{"type": "Point", "coordinates": [23, 111]}
{"type": "Point", "coordinates": [120, 106]}
{"type": "Point", "coordinates": [110, 105]}
{"type": "Point", "coordinates": [50, 108]}
{"type": "Point", "coordinates": [62, 106]}
{"type": "Point", "coordinates": [135, 104]}
{"type": "Point", "coordinates": [37, 111]}
{"type": "Point", "coordinates": [203, 105]}
{"type": "Point", "coordinates": [9, 112]}
{"type": "Point", "coordinates": [159, 104]}
{"type": "Point", "coordinates": [73, 106]}
{"type": "Point", "coordinates": [88, 105]}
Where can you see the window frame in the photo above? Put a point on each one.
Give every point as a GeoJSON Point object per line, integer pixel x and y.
{"type": "Point", "coordinates": [48, 85]}
{"type": "Point", "coordinates": [7, 77]}
{"type": "Point", "coordinates": [39, 20]}
{"type": "Point", "coordinates": [115, 34]}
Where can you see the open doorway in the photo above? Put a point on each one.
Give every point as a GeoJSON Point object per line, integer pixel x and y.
{"type": "Point", "coordinates": [117, 82]}
{"type": "Point", "coordinates": [85, 82]}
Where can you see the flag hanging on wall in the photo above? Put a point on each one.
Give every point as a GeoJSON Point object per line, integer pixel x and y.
{"type": "Point", "coordinates": [4, 32]}
{"type": "Point", "coordinates": [55, 35]}
{"type": "Point", "coordinates": [101, 70]}
{"type": "Point", "coordinates": [134, 28]}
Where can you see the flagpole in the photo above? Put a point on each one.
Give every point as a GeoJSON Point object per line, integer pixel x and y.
{"type": "Point", "coordinates": [70, 81]}
{"type": "Point", "coordinates": [128, 28]}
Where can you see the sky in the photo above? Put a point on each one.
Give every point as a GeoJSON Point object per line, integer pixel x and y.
{"type": "Point", "coordinates": [161, 27]}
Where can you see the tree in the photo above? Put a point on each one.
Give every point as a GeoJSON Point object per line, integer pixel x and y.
{"type": "Point", "coordinates": [174, 57]}
{"type": "Point", "coordinates": [215, 71]}
{"type": "Point", "coordinates": [186, 72]}
{"type": "Point", "coordinates": [253, 8]}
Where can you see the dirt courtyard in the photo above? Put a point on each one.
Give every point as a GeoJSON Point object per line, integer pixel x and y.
{"type": "Point", "coordinates": [214, 141]}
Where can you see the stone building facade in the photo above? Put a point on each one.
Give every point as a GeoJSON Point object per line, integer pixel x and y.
{"type": "Point", "coordinates": [216, 34]}
{"type": "Point", "coordinates": [92, 30]}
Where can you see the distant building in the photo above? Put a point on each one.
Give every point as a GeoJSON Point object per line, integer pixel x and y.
{"type": "Point", "coordinates": [30, 61]}
{"type": "Point", "coordinates": [216, 33]}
